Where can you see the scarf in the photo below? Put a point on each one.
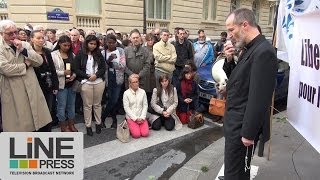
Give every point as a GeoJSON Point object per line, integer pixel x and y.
{"type": "Point", "coordinates": [186, 87]}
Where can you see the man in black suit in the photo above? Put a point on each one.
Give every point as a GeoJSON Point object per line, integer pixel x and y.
{"type": "Point", "coordinates": [249, 92]}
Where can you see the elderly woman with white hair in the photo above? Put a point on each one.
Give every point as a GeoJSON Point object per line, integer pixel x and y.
{"type": "Point", "coordinates": [21, 97]}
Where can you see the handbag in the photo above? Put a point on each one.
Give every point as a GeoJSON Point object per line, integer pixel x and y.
{"type": "Point", "coordinates": [123, 133]}
{"type": "Point", "coordinates": [217, 106]}
{"type": "Point", "coordinates": [76, 87]}
{"type": "Point", "coordinates": [196, 120]}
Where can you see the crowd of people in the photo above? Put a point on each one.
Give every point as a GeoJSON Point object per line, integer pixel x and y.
{"type": "Point", "coordinates": [87, 73]}
{"type": "Point", "coordinates": [50, 74]}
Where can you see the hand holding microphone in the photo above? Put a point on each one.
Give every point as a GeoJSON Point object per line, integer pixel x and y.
{"type": "Point", "coordinates": [229, 50]}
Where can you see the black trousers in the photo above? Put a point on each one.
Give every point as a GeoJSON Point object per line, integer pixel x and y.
{"type": "Point", "coordinates": [46, 128]}
{"type": "Point", "coordinates": [168, 123]}
{"type": "Point", "coordinates": [176, 75]}
{"type": "Point", "coordinates": [234, 161]}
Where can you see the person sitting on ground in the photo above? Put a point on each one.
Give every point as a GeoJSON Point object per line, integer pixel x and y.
{"type": "Point", "coordinates": [187, 95]}
{"type": "Point", "coordinates": [136, 105]}
{"type": "Point", "coordinates": [164, 102]}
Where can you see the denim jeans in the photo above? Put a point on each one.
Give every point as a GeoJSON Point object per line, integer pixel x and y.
{"type": "Point", "coordinates": [66, 99]}
{"type": "Point", "coordinates": [113, 95]}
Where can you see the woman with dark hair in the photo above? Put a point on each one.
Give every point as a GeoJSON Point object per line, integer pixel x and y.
{"type": "Point", "coordinates": [90, 69]}
{"type": "Point", "coordinates": [46, 73]}
{"type": "Point", "coordinates": [63, 57]}
{"type": "Point", "coordinates": [116, 63]}
{"type": "Point", "coordinates": [51, 36]}
{"type": "Point", "coordinates": [187, 90]}
{"type": "Point", "coordinates": [164, 102]}
{"type": "Point", "coordinates": [22, 35]}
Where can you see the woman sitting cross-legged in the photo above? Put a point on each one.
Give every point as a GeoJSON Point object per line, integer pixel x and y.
{"type": "Point", "coordinates": [164, 102]}
{"type": "Point", "coordinates": [135, 105]}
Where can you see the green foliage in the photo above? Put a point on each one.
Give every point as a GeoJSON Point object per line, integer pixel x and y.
{"type": "Point", "coordinates": [204, 169]}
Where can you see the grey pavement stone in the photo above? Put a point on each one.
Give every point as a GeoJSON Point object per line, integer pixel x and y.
{"type": "Point", "coordinates": [288, 147]}
{"type": "Point", "coordinates": [209, 157]}
{"type": "Point", "coordinates": [186, 174]}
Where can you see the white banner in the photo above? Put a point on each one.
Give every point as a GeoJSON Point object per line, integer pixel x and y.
{"type": "Point", "coordinates": [304, 60]}
{"type": "Point", "coordinates": [287, 11]}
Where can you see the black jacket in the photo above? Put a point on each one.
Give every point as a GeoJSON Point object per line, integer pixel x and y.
{"type": "Point", "coordinates": [249, 92]}
{"type": "Point", "coordinates": [47, 69]}
{"type": "Point", "coordinates": [80, 62]}
{"type": "Point", "coordinates": [182, 106]}
{"type": "Point", "coordinates": [184, 52]}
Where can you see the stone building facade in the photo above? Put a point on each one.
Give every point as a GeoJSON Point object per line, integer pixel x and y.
{"type": "Point", "coordinates": [124, 15]}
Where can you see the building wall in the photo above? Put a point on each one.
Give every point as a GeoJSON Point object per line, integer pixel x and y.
{"type": "Point", "coordinates": [125, 15]}
{"type": "Point", "coordinates": [35, 12]}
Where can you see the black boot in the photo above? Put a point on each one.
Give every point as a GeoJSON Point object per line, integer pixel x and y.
{"type": "Point", "coordinates": [89, 131]}
{"type": "Point", "coordinates": [98, 128]}
{"type": "Point", "coordinates": [103, 118]}
{"type": "Point", "coordinates": [103, 124]}
{"type": "Point", "coordinates": [114, 122]}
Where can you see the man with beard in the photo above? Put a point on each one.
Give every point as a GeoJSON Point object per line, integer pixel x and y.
{"type": "Point", "coordinates": [249, 92]}
{"type": "Point", "coordinates": [203, 50]}
{"type": "Point", "coordinates": [138, 59]}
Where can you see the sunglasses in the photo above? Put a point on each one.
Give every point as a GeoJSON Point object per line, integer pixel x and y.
{"type": "Point", "coordinates": [11, 33]}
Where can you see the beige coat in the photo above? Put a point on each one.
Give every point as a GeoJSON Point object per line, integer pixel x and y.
{"type": "Point", "coordinates": [172, 103]}
{"type": "Point", "coordinates": [24, 107]}
{"type": "Point", "coordinates": [165, 57]}
{"type": "Point", "coordinates": [59, 65]}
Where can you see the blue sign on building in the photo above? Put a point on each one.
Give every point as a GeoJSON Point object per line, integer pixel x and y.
{"type": "Point", "coordinates": [58, 14]}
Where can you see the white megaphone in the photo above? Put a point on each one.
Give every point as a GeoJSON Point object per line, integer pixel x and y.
{"type": "Point", "coordinates": [219, 75]}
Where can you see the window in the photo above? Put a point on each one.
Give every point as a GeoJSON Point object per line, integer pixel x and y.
{"type": "Point", "coordinates": [256, 9]}
{"type": "Point", "coordinates": [235, 4]}
{"type": "Point", "coordinates": [272, 13]}
{"type": "Point", "coordinates": [158, 9]}
{"type": "Point", "coordinates": [92, 7]}
{"type": "Point", "coordinates": [209, 10]}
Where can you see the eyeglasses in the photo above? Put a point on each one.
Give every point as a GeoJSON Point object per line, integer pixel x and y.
{"type": "Point", "coordinates": [11, 33]}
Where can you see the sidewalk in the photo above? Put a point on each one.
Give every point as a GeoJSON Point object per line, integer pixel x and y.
{"type": "Point", "coordinates": [292, 157]}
